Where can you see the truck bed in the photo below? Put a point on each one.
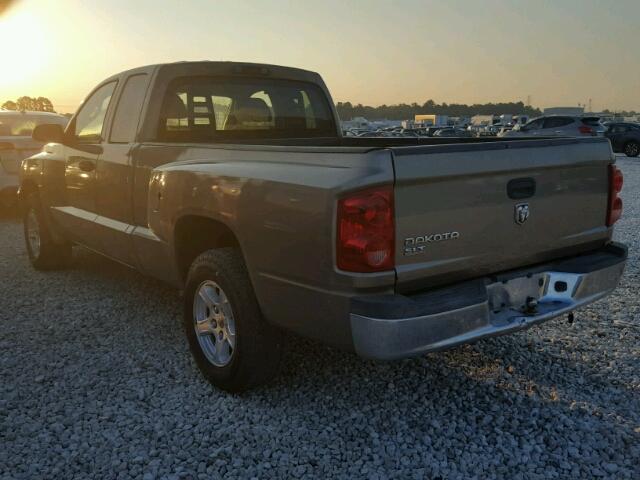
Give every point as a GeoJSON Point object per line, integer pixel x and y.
{"type": "Point", "coordinates": [370, 143]}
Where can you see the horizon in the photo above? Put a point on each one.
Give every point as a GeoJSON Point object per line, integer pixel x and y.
{"type": "Point", "coordinates": [370, 53]}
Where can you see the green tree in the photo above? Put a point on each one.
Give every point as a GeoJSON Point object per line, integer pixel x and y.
{"type": "Point", "coordinates": [37, 104]}
{"type": "Point", "coordinates": [403, 111]}
{"type": "Point", "coordinates": [10, 105]}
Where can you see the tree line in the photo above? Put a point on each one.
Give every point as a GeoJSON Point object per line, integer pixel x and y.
{"type": "Point", "coordinates": [347, 110]}
{"type": "Point", "coordinates": [34, 104]}
{"type": "Point", "coordinates": [403, 111]}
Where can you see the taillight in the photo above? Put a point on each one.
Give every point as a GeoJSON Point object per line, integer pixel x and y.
{"type": "Point", "coordinates": [616, 180]}
{"type": "Point", "coordinates": [585, 130]}
{"type": "Point", "coordinates": [365, 239]}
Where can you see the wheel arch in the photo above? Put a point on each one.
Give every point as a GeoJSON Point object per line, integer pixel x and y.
{"type": "Point", "coordinates": [27, 188]}
{"type": "Point", "coordinates": [194, 234]}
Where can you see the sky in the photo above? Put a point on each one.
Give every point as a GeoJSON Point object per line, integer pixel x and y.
{"type": "Point", "coordinates": [557, 53]}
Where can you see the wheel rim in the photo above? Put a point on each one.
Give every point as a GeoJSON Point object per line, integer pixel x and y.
{"type": "Point", "coordinates": [214, 324]}
{"type": "Point", "coordinates": [33, 234]}
{"type": "Point", "coordinates": [632, 149]}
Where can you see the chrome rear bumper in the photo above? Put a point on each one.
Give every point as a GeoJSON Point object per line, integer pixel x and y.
{"type": "Point", "coordinates": [397, 326]}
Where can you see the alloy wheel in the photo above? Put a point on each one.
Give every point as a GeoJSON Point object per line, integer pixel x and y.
{"type": "Point", "coordinates": [214, 323]}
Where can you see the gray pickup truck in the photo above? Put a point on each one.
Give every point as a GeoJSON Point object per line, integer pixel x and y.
{"type": "Point", "coordinates": [232, 182]}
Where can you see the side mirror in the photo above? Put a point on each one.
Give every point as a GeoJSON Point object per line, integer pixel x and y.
{"type": "Point", "coordinates": [48, 133]}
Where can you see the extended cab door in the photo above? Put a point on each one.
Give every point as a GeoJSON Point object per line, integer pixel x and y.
{"type": "Point", "coordinates": [81, 155]}
{"type": "Point", "coordinates": [114, 181]}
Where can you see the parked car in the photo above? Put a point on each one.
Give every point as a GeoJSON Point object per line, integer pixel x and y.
{"type": "Point", "coordinates": [504, 129]}
{"type": "Point", "coordinates": [489, 130]}
{"type": "Point", "coordinates": [624, 138]}
{"type": "Point", "coordinates": [16, 144]}
{"type": "Point", "coordinates": [233, 182]}
{"type": "Point", "coordinates": [452, 132]}
{"type": "Point", "coordinates": [560, 125]}
{"type": "Point", "coordinates": [430, 131]}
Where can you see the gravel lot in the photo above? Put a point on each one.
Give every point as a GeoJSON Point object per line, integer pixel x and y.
{"type": "Point", "coordinates": [96, 382]}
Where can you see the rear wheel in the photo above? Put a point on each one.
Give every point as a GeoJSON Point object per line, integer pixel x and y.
{"type": "Point", "coordinates": [632, 149]}
{"type": "Point", "coordinates": [44, 253]}
{"type": "Point", "coordinates": [232, 344]}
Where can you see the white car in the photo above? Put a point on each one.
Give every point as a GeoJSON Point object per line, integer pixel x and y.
{"type": "Point", "coordinates": [560, 126]}
{"type": "Point", "coordinates": [16, 144]}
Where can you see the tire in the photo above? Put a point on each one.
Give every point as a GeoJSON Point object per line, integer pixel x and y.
{"type": "Point", "coordinates": [232, 344]}
{"type": "Point", "coordinates": [632, 149]}
{"type": "Point", "coordinates": [44, 253]}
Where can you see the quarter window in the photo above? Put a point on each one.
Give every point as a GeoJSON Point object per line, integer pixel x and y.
{"type": "Point", "coordinates": [125, 122]}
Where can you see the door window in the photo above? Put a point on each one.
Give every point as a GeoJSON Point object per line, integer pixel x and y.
{"type": "Point", "coordinates": [618, 129]}
{"type": "Point", "coordinates": [125, 120]}
{"type": "Point", "coordinates": [89, 121]}
{"type": "Point", "coordinates": [533, 125]}
{"type": "Point", "coordinates": [557, 122]}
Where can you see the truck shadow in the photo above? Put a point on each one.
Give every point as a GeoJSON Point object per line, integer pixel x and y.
{"type": "Point", "coordinates": [529, 361]}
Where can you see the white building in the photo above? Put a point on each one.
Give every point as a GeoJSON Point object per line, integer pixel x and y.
{"type": "Point", "coordinates": [564, 111]}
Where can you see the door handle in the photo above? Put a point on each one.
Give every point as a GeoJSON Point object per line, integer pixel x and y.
{"type": "Point", "coordinates": [87, 165]}
{"type": "Point", "coordinates": [520, 188]}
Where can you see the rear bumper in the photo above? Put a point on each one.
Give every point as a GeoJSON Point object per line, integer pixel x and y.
{"type": "Point", "coordinates": [397, 326]}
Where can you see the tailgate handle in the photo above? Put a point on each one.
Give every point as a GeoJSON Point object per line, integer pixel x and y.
{"type": "Point", "coordinates": [520, 188]}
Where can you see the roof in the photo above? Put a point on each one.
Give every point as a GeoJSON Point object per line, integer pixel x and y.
{"type": "Point", "coordinates": [216, 67]}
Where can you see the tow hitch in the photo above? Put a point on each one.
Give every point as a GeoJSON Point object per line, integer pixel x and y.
{"type": "Point", "coordinates": [531, 306]}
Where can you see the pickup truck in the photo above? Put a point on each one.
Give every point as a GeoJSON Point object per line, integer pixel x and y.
{"type": "Point", "coordinates": [232, 182]}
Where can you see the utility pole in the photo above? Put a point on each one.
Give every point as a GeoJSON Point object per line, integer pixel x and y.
{"type": "Point", "coordinates": [590, 110]}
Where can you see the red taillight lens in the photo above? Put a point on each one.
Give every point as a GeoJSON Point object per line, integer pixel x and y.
{"type": "Point", "coordinates": [616, 180]}
{"type": "Point", "coordinates": [366, 232]}
{"type": "Point", "coordinates": [585, 130]}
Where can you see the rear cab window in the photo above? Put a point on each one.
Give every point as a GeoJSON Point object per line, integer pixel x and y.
{"type": "Point", "coordinates": [222, 109]}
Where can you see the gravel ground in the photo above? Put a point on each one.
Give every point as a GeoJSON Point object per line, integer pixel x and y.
{"type": "Point", "coordinates": [96, 382]}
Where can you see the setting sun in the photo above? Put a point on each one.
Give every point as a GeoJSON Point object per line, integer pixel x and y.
{"type": "Point", "coordinates": [26, 49]}
{"type": "Point", "coordinates": [361, 239]}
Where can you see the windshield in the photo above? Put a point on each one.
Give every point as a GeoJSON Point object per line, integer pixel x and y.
{"type": "Point", "coordinates": [21, 125]}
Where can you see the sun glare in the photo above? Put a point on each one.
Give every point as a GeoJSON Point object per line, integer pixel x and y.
{"type": "Point", "coordinates": [25, 49]}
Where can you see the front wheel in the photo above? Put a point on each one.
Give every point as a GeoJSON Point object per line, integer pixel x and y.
{"type": "Point", "coordinates": [232, 344]}
{"type": "Point", "coordinates": [632, 149]}
{"type": "Point", "coordinates": [44, 253]}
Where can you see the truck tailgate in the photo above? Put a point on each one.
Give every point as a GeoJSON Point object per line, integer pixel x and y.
{"type": "Point", "coordinates": [468, 210]}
